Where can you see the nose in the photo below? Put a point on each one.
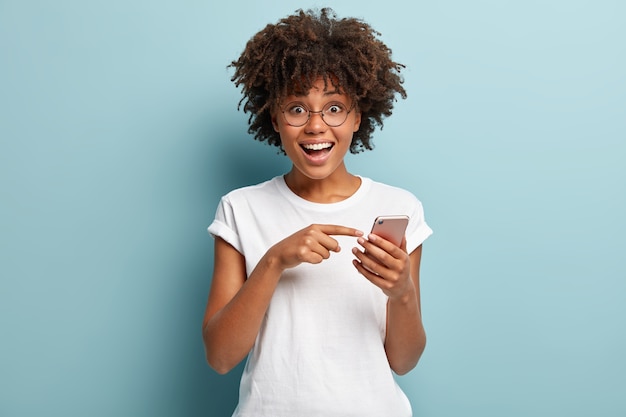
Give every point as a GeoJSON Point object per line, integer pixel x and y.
{"type": "Point", "coordinates": [316, 122]}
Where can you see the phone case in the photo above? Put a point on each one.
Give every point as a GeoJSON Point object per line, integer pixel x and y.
{"type": "Point", "coordinates": [391, 228]}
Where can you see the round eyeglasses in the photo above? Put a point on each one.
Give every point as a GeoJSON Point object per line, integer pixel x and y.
{"type": "Point", "coordinates": [333, 114]}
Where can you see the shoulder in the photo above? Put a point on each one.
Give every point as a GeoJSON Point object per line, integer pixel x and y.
{"type": "Point", "coordinates": [264, 190]}
{"type": "Point", "coordinates": [390, 199]}
{"type": "Point", "coordinates": [382, 190]}
{"type": "Point", "coordinates": [240, 205]}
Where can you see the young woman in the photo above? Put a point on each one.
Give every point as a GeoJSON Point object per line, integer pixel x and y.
{"type": "Point", "coordinates": [323, 311]}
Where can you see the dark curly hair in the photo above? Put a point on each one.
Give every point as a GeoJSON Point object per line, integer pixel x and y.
{"type": "Point", "coordinates": [290, 55]}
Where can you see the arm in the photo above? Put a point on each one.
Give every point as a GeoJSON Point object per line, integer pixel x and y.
{"type": "Point", "coordinates": [236, 305]}
{"type": "Point", "coordinates": [406, 338]}
{"type": "Point", "coordinates": [397, 274]}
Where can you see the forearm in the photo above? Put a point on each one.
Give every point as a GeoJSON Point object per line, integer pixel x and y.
{"type": "Point", "coordinates": [237, 304]}
{"type": "Point", "coordinates": [406, 339]}
{"type": "Point", "coordinates": [230, 333]}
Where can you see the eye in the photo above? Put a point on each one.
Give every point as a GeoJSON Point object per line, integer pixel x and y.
{"type": "Point", "coordinates": [335, 108]}
{"type": "Point", "coordinates": [296, 109]}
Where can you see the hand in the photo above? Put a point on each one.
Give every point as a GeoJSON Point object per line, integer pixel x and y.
{"type": "Point", "coordinates": [312, 245]}
{"type": "Point", "coordinates": [384, 264]}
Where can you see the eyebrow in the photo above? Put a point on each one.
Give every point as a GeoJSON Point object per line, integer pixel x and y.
{"type": "Point", "coordinates": [326, 93]}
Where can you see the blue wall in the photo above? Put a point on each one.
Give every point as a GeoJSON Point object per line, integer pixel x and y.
{"type": "Point", "coordinates": [119, 133]}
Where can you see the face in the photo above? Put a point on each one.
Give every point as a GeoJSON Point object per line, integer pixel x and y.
{"type": "Point", "coordinates": [315, 148]}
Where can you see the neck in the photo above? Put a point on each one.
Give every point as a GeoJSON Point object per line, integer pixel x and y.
{"type": "Point", "coordinates": [332, 189]}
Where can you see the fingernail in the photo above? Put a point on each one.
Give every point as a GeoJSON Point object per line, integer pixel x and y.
{"type": "Point", "coordinates": [360, 240]}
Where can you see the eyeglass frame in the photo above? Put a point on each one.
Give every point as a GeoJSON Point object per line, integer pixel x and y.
{"type": "Point", "coordinates": [320, 112]}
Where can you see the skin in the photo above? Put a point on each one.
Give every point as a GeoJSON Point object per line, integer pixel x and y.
{"type": "Point", "coordinates": [236, 305]}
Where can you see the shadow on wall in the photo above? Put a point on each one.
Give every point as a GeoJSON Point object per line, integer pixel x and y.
{"type": "Point", "coordinates": [229, 160]}
{"type": "Point", "coordinates": [242, 161]}
{"type": "Point", "coordinates": [206, 392]}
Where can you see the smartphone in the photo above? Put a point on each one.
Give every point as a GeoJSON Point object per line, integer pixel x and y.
{"type": "Point", "coordinates": [391, 228]}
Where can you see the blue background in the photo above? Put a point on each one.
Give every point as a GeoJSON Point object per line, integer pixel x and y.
{"type": "Point", "coordinates": [119, 132]}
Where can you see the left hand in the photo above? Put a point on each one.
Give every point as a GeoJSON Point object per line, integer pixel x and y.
{"type": "Point", "coordinates": [385, 265]}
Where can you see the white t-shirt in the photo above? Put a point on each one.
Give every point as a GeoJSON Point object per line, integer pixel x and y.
{"type": "Point", "coordinates": [320, 350]}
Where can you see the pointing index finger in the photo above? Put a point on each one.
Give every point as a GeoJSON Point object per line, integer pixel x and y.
{"type": "Point", "coordinates": [334, 229]}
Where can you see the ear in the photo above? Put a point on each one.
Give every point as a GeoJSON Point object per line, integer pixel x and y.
{"type": "Point", "coordinates": [274, 121]}
{"type": "Point", "coordinates": [357, 121]}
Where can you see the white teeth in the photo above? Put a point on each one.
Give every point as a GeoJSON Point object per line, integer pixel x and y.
{"type": "Point", "coordinates": [317, 146]}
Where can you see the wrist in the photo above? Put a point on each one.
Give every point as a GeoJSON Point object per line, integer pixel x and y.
{"type": "Point", "coordinates": [406, 297]}
{"type": "Point", "coordinates": [272, 263]}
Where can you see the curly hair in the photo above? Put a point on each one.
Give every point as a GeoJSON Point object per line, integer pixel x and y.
{"type": "Point", "coordinates": [291, 55]}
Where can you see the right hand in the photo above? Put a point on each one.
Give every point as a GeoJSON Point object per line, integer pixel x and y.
{"type": "Point", "coordinates": [313, 244]}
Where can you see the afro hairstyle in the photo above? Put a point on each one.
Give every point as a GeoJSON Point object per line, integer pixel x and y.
{"type": "Point", "coordinates": [289, 56]}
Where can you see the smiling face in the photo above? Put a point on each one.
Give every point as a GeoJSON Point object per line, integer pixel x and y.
{"type": "Point", "coordinates": [316, 149]}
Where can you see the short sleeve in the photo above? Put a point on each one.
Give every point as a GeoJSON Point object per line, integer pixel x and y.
{"type": "Point", "coordinates": [224, 224]}
{"type": "Point", "coordinates": [417, 230]}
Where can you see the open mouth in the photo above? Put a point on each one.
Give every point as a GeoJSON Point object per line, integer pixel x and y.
{"type": "Point", "coordinates": [317, 148]}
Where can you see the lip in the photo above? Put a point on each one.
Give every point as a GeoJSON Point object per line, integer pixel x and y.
{"type": "Point", "coordinates": [320, 157]}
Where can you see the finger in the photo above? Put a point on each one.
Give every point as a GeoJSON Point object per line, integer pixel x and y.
{"type": "Point", "coordinates": [370, 276]}
{"type": "Point", "coordinates": [312, 252]}
{"type": "Point", "coordinates": [314, 257]}
{"type": "Point", "coordinates": [368, 263]}
{"type": "Point", "coordinates": [385, 247]}
{"type": "Point", "coordinates": [334, 229]}
{"type": "Point", "coordinates": [403, 244]}
{"type": "Point", "coordinates": [327, 243]}
{"type": "Point", "coordinates": [374, 252]}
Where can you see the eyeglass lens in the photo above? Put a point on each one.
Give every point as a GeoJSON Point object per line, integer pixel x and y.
{"type": "Point", "coordinates": [333, 114]}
